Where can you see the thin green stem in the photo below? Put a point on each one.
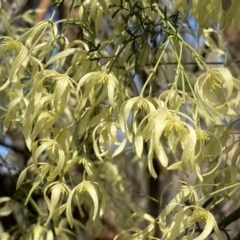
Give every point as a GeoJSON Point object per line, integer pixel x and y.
{"type": "Point", "coordinates": [224, 188]}
{"type": "Point", "coordinates": [68, 16]}
{"type": "Point", "coordinates": [53, 230]}
{"type": "Point", "coordinates": [35, 206]}
{"type": "Point", "coordinates": [153, 71]}
{"type": "Point", "coordinates": [223, 198]}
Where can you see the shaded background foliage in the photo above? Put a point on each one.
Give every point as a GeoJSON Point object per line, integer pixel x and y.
{"type": "Point", "coordinates": [128, 62]}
